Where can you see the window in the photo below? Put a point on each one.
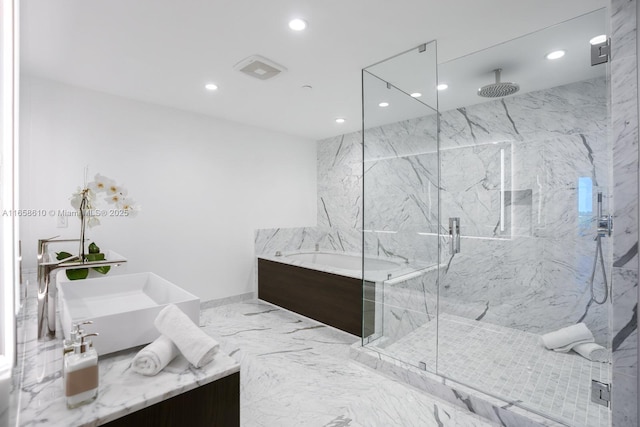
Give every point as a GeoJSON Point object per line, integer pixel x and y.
{"type": "Point", "coordinates": [585, 196]}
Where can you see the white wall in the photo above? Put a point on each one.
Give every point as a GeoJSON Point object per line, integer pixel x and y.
{"type": "Point", "coordinates": [204, 184]}
{"type": "Point", "coordinates": [8, 198]}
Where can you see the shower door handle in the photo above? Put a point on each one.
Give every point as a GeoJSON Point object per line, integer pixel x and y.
{"type": "Point", "coordinates": [454, 234]}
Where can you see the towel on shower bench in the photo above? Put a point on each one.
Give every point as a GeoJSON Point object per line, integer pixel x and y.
{"type": "Point", "coordinates": [563, 340]}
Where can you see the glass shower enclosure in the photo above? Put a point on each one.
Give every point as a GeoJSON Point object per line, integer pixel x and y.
{"type": "Point", "coordinates": [497, 210]}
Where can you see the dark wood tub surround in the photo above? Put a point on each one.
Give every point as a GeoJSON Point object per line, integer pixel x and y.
{"type": "Point", "coordinates": [326, 297]}
{"type": "Point", "coordinates": [216, 404]}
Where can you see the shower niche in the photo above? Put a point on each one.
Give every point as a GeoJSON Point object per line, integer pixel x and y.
{"type": "Point", "coordinates": [512, 167]}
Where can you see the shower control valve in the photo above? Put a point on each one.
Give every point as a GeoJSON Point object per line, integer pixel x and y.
{"type": "Point", "coordinates": [605, 225]}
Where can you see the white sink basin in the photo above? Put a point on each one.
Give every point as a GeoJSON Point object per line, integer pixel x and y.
{"type": "Point", "coordinates": [122, 308]}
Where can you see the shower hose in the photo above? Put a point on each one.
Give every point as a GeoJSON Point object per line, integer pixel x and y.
{"type": "Point", "coordinates": [604, 273]}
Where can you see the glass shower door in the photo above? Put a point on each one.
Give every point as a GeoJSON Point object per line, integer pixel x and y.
{"type": "Point", "coordinates": [400, 203]}
{"type": "Point", "coordinates": [526, 178]}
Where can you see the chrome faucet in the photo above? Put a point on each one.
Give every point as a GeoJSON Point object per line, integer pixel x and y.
{"type": "Point", "coordinates": [47, 287]}
{"type": "Point", "coordinates": [43, 246]}
{"type": "Point", "coordinates": [47, 299]}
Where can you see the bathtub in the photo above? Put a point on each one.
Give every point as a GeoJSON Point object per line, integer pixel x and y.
{"type": "Point", "coordinates": [345, 263]}
{"type": "Point", "coordinates": [327, 286]}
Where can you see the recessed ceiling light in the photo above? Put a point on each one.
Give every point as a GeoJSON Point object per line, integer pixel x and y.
{"type": "Point", "coordinates": [383, 104]}
{"type": "Point", "coordinates": [416, 94]}
{"type": "Point", "coordinates": [297, 24]}
{"type": "Point", "coordinates": [442, 86]}
{"type": "Point", "coordinates": [340, 120]}
{"type": "Point", "coordinates": [557, 54]}
{"type": "Point", "coordinates": [211, 86]}
{"type": "Point", "coordinates": [598, 39]}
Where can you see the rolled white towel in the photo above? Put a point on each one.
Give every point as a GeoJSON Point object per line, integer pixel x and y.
{"type": "Point", "coordinates": [154, 357]}
{"type": "Point", "coordinates": [196, 346]}
{"type": "Point", "coordinates": [592, 351]}
{"type": "Point", "coordinates": [564, 339]}
{"type": "Point", "coordinates": [177, 365]}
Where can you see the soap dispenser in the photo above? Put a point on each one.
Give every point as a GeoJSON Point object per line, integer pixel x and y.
{"type": "Point", "coordinates": [81, 373]}
{"type": "Point", "coordinates": [74, 337]}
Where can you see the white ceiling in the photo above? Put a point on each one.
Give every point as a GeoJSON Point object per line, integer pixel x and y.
{"type": "Point", "coordinates": [522, 60]}
{"type": "Point", "coordinates": [164, 51]}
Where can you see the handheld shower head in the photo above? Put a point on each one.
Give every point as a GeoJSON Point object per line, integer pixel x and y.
{"type": "Point", "coordinates": [498, 89]}
{"type": "Point", "coordinates": [599, 200]}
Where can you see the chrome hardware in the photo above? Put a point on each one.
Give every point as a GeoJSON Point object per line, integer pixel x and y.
{"type": "Point", "coordinates": [454, 234]}
{"type": "Point", "coordinates": [605, 226]}
{"type": "Point", "coordinates": [604, 222]}
{"type": "Point", "coordinates": [600, 393]}
{"type": "Point", "coordinates": [601, 52]}
{"type": "Point", "coordinates": [46, 291]}
{"type": "Point", "coordinates": [47, 287]}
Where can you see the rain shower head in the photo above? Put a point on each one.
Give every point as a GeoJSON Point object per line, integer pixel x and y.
{"type": "Point", "coordinates": [498, 89]}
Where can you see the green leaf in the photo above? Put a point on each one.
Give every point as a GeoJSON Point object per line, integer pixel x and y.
{"type": "Point", "coordinates": [77, 273]}
{"type": "Point", "coordinates": [94, 257]}
{"type": "Point", "coordinates": [62, 255]}
{"type": "Point", "coordinates": [103, 269]}
{"type": "Point", "coordinates": [93, 248]}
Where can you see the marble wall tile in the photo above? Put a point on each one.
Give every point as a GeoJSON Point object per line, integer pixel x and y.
{"type": "Point", "coordinates": [623, 28]}
{"type": "Point", "coordinates": [624, 400]}
{"type": "Point", "coordinates": [528, 116]}
{"type": "Point", "coordinates": [268, 241]}
{"type": "Point", "coordinates": [625, 163]}
{"type": "Point", "coordinates": [413, 245]}
{"type": "Point", "coordinates": [625, 320]}
{"type": "Point", "coordinates": [402, 139]}
{"type": "Point", "coordinates": [624, 135]}
{"type": "Point", "coordinates": [409, 185]}
{"type": "Point", "coordinates": [471, 184]}
{"type": "Point", "coordinates": [340, 182]}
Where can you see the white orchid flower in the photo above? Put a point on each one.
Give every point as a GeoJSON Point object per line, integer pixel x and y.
{"type": "Point", "coordinates": [83, 194]}
{"type": "Point", "coordinates": [93, 221]}
{"type": "Point", "coordinates": [76, 199]}
{"type": "Point", "coordinates": [129, 206]}
{"type": "Point", "coordinates": [115, 199]}
{"type": "Point", "coordinates": [116, 189]}
{"type": "Point", "coordinates": [101, 183]}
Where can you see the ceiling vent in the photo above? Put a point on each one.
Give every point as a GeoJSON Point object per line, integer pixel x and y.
{"type": "Point", "coordinates": [259, 67]}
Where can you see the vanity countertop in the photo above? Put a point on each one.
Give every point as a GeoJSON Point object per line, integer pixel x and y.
{"type": "Point", "coordinates": [38, 398]}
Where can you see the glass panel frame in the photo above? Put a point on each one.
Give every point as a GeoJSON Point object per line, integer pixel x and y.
{"type": "Point", "coordinates": [400, 195]}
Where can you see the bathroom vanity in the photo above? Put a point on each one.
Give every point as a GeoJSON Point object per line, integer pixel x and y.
{"type": "Point", "coordinates": [209, 396]}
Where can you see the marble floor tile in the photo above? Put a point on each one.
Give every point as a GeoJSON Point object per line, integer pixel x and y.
{"type": "Point", "coordinates": [297, 372]}
{"type": "Point", "coordinates": [510, 364]}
